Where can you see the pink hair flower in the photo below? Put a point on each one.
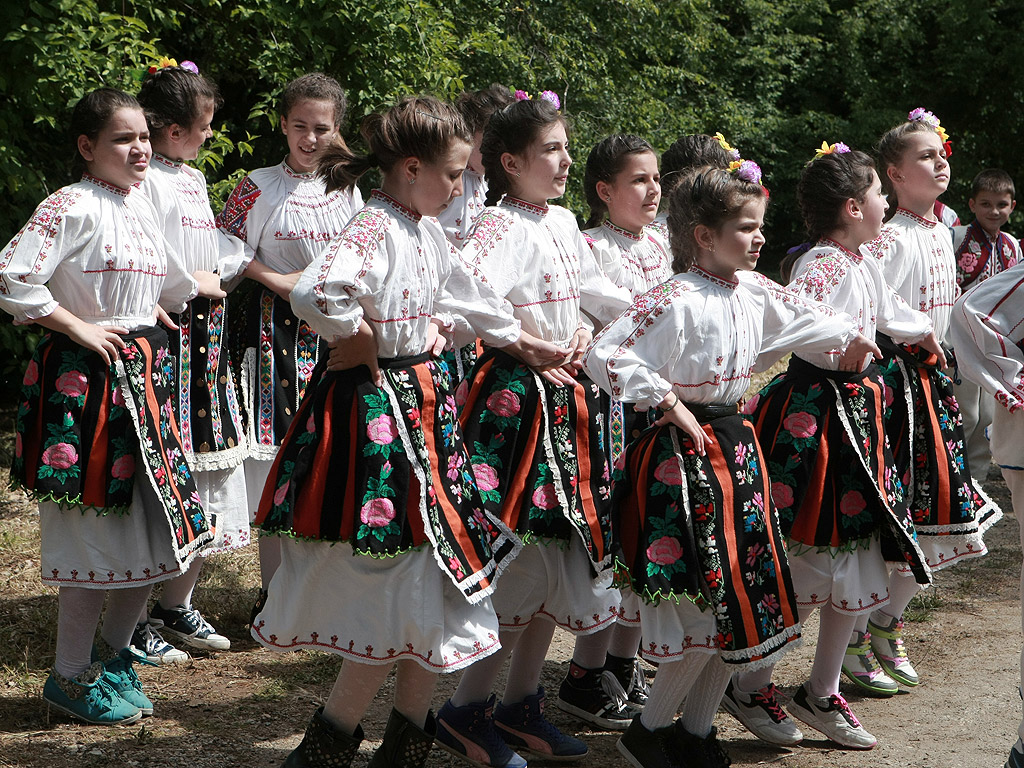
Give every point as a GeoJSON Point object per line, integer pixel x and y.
{"type": "Point", "coordinates": [190, 66]}
{"type": "Point", "coordinates": [522, 95]}
{"type": "Point", "coordinates": [552, 97]}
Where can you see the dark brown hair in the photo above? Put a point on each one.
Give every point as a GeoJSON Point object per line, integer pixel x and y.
{"type": "Point", "coordinates": [826, 184]}
{"type": "Point", "coordinates": [476, 107]}
{"type": "Point", "coordinates": [603, 164]}
{"type": "Point", "coordinates": [418, 126]}
{"type": "Point", "coordinates": [994, 180]}
{"type": "Point", "coordinates": [705, 196]}
{"type": "Point", "coordinates": [92, 112]}
{"type": "Point", "coordinates": [687, 153]}
{"type": "Point", "coordinates": [315, 86]}
{"type": "Point", "coordinates": [176, 95]}
{"type": "Point", "coordinates": [512, 129]}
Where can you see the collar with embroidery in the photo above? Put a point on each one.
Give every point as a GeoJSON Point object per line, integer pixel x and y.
{"type": "Point", "coordinates": [712, 278]}
{"type": "Point", "coordinates": [622, 232]}
{"type": "Point", "coordinates": [522, 205]}
{"type": "Point", "coordinates": [166, 161]}
{"type": "Point", "coordinates": [830, 243]}
{"type": "Point", "coordinates": [105, 185]}
{"type": "Point", "coordinates": [916, 219]}
{"type": "Point", "coordinates": [289, 171]}
{"type": "Point", "coordinates": [394, 205]}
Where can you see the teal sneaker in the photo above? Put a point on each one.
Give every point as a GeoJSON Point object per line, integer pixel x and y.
{"type": "Point", "coordinates": [89, 697]}
{"type": "Point", "coordinates": [120, 675]}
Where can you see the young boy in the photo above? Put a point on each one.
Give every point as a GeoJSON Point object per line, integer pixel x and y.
{"type": "Point", "coordinates": [989, 340]}
{"type": "Point", "coordinates": [982, 250]}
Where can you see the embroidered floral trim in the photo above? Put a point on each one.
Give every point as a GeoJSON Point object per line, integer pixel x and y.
{"type": "Point", "coordinates": [175, 164]}
{"type": "Point", "coordinates": [397, 207]}
{"type": "Point", "coordinates": [916, 219]}
{"type": "Point", "coordinates": [719, 281]}
{"type": "Point", "coordinates": [105, 185]}
{"type": "Point", "coordinates": [622, 232]}
{"type": "Point", "coordinates": [288, 171]}
{"type": "Point", "coordinates": [829, 243]}
{"type": "Point", "coordinates": [521, 205]}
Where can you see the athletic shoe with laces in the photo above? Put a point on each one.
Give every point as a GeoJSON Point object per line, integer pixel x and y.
{"type": "Point", "coordinates": [468, 732]}
{"type": "Point", "coordinates": [832, 716]}
{"type": "Point", "coordinates": [650, 749]}
{"type": "Point", "coordinates": [1016, 758]}
{"type": "Point", "coordinates": [863, 669]}
{"type": "Point", "coordinates": [701, 752]}
{"type": "Point", "coordinates": [629, 675]}
{"type": "Point", "coordinates": [887, 643]}
{"type": "Point", "coordinates": [761, 714]}
{"type": "Point", "coordinates": [147, 642]}
{"type": "Point", "coordinates": [188, 624]}
{"type": "Point", "coordinates": [524, 727]}
{"type": "Point", "coordinates": [89, 697]}
{"type": "Point", "coordinates": [595, 697]}
{"type": "Point", "coordinates": [121, 676]}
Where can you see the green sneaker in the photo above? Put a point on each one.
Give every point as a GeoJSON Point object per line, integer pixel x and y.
{"type": "Point", "coordinates": [887, 643]}
{"type": "Point", "coordinates": [120, 675]}
{"type": "Point", "coordinates": [89, 697]}
{"type": "Point", "coordinates": [861, 666]}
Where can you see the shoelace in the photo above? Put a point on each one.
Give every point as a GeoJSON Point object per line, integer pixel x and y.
{"type": "Point", "coordinates": [713, 750]}
{"type": "Point", "coordinates": [152, 640]}
{"type": "Point", "coordinates": [897, 641]}
{"type": "Point", "coordinates": [767, 697]}
{"type": "Point", "coordinates": [613, 689]}
{"type": "Point", "coordinates": [195, 619]}
{"type": "Point", "coordinates": [837, 702]}
{"type": "Point", "coordinates": [870, 663]}
{"type": "Point", "coordinates": [639, 681]}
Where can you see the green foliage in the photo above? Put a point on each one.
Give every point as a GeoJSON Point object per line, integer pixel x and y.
{"type": "Point", "coordinates": [777, 77]}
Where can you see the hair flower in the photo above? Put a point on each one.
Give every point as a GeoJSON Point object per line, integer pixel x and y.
{"type": "Point", "coordinates": [838, 148]}
{"type": "Point", "coordinates": [726, 147]}
{"type": "Point", "coordinates": [164, 62]}
{"type": "Point", "coordinates": [928, 118]}
{"type": "Point", "coordinates": [522, 95]}
{"type": "Point", "coordinates": [190, 66]}
{"type": "Point", "coordinates": [747, 170]}
{"type": "Point", "coordinates": [552, 97]}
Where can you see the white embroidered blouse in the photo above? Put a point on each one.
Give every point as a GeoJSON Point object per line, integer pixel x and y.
{"type": "Point", "coordinates": [916, 257]}
{"type": "Point", "coordinates": [284, 218]}
{"type": "Point", "coordinates": [397, 270]}
{"type": "Point", "coordinates": [96, 250]}
{"type": "Point", "coordinates": [457, 219]}
{"type": "Point", "coordinates": [536, 257]}
{"type": "Point", "coordinates": [634, 262]}
{"type": "Point", "coordinates": [179, 194]}
{"type": "Point", "coordinates": [702, 337]}
{"type": "Point", "coordinates": [847, 282]}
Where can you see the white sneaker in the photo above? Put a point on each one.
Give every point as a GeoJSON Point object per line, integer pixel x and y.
{"type": "Point", "coordinates": [761, 714]}
{"type": "Point", "coordinates": [832, 716]}
{"type": "Point", "coordinates": [146, 641]}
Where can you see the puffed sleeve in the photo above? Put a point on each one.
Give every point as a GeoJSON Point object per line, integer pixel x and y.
{"type": "Point", "coordinates": [233, 220]}
{"type": "Point", "coordinates": [490, 248]}
{"type": "Point", "coordinates": [600, 298]}
{"type": "Point", "coordinates": [469, 305]}
{"type": "Point", "coordinates": [179, 286]}
{"type": "Point", "coordinates": [29, 260]}
{"type": "Point", "coordinates": [988, 335]}
{"type": "Point", "coordinates": [889, 251]}
{"type": "Point", "coordinates": [628, 357]}
{"type": "Point", "coordinates": [792, 322]}
{"type": "Point", "coordinates": [894, 316]}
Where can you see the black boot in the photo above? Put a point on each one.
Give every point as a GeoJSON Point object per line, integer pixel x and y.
{"type": "Point", "coordinates": [405, 745]}
{"type": "Point", "coordinates": [324, 745]}
{"type": "Point", "coordinates": [706, 752]}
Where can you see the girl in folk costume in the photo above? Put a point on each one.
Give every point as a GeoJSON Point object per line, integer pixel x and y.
{"type": "Point", "coordinates": [622, 186]}
{"type": "Point", "coordinates": [915, 253]}
{"type": "Point", "coordinates": [97, 444]}
{"type": "Point", "coordinates": [986, 333]}
{"type": "Point", "coordinates": [841, 505]}
{"type": "Point", "coordinates": [373, 487]}
{"type": "Point", "coordinates": [286, 217]}
{"type": "Point", "coordinates": [538, 445]}
{"type": "Point", "coordinates": [476, 108]}
{"type": "Point", "coordinates": [686, 154]}
{"type": "Point", "coordinates": [696, 536]}
{"type": "Point", "coordinates": [179, 105]}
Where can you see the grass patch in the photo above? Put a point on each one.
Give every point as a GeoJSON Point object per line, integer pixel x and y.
{"type": "Point", "coordinates": [924, 605]}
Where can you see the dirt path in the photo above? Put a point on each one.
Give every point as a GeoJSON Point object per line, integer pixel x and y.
{"type": "Point", "coordinates": [248, 707]}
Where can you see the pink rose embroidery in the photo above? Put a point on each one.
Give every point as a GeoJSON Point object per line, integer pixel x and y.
{"type": "Point", "coordinates": [280, 493]}
{"type": "Point", "coordinates": [783, 495]}
{"type": "Point", "coordinates": [968, 261]}
{"type": "Point", "coordinates": [800, 424]}
{"type": "Point", "coordinates": [123, 467]}
{"type": "Point", "coordinates": [888, 396]}
{"type": "Point", "coordinates": [504, 403]}
{"type": "Point", "coordinates": [60, 456]}
{"type": "Point", "coordinates": [382, 430]}
{"type": "Point", "coordinates": [852, 503]}
{"type": "Point", "coordinates": [72, 384]}
{"type": "Point", "coordinates": [31, 374]}
{"type": "Point", "coordinates": [311, 424]}
{"type": "Point", "coordinates": [117, 396]}
{"type": "Point", "coordinates": [665, 551]}
{"type": "Point", "coordinates": [486, 477]}
{"type": "Point", "coordinates": [462, 393]}
{"type": "Point", "coordinates": [545, 497]}
{"type": "Point", "coordinates": [377, 513]}
{"type": "Point", "coordinates": [668, 472]}
{"type": "Point", "coordinates": [751, 405]}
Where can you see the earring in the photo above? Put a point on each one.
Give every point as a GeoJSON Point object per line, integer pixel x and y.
{"type": "Point", "coordinates": [518, 174]}
{"type": "Point", "coordinates": [412, 180]}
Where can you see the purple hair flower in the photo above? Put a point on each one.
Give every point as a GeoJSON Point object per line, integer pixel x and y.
{"type": "Point", "coordinates": [552, 97]}
{"type": "Point", "coordinates": [750, 171]}
{"type": "Point", "coordinates": [840, 148]}
{"type": "Point", "coordinates": [190, 66]}
{"type": "Point", "coordinates": [522, 95]}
